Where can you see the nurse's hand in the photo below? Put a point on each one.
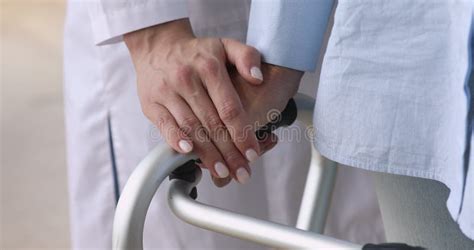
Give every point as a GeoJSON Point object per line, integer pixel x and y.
{"type": "Point", "coordinates": [185, 90]}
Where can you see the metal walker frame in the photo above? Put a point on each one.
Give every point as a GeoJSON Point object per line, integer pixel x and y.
{"type": "Point", "coordinates": [158, 164]}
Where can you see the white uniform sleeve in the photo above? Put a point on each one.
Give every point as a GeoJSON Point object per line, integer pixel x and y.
{"type": "Point", "coordinates": [113, 18]}
{"type": "Point", "coordinates": [289, 33]}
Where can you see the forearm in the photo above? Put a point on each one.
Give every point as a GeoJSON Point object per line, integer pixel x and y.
{"type": "Point", "coordinates": [145, 40]}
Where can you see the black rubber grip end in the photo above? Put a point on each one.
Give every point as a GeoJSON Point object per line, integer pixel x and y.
{"type": "Point", "coordinates": [390, 246]}
{"type": "Point", "coordinates": [186, 172]}
{"type": "Point", "coordinates": [286, 118]}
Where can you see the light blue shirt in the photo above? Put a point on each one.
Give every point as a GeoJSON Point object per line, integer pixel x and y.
{"type": "Point", "coordinates": [394, 91]}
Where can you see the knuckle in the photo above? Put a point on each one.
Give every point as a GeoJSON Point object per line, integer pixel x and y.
{"type": "Point", "coordinates": [184, 75]}
{"type": "Point", "coordinates": [159, 89]}
{"type": "Point", "coordinates": [249, 53]}
{"type": "Point", "coordinates": [229, 111]}
{"type": "Point", "coordinates": [234, 158]}
{"type": "Point", "coordinates": [161, 121]}
{"type": "Point", "coordinates": [208, 153]}
{"type": "Point", "coordinates": [190, 124]}
{"type": "Point", "coordinates": [210, 66]}
{"type": "Point", "coordinates": [209, 150]}
{"type": "Point", "coordinates": [213, 122]}
{"type": "Point", "coordinates": [215, 44]}
{"type": "Point", "coordinates": [251, 50]}
{"type": "Point", "coordinates": [214, 41]}
{"type": "Point", "coordinates": [217, 130]}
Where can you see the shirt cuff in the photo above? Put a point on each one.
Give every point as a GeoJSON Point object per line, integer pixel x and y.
{"type": "Point", "coordinates": [289, 33]}
{"type": "Point", "coordinates": [109, 24]}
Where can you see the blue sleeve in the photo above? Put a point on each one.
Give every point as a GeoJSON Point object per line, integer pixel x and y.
{"type": "Point", "coordinates": [289, 33]}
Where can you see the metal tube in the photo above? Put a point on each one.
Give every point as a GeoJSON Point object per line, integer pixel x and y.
{"type": "Point", "coordinates": [135, 199]}
{"type": "Point", "coordinates": [316, 198]}
{"type": "Point", "coordinates": [319, 181]}
{"type": "Point", "coordinates": [145, 179]}
{"type": "Point", "coordinates": [244, 227]}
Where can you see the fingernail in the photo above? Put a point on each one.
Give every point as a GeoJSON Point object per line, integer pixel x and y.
{"type": "Point", "coordinates": [221, 169]}
{"type": "Point", "coordinates": [242, 175]}
{"type": "Point", "coordinates": [185, 146]}
{"type": "Point", "coordinates": [256, 73]}
{"type": "Point", "coordinates": [251, 155]}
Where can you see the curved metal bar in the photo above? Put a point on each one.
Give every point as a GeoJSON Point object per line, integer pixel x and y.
{"type": "Point", "coordinates": [244, 227]}
{"type": "Point", "coordinates": [136, 196]}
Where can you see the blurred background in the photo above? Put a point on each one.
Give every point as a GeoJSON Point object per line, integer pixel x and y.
{"type": "Point", "coordinates": [34, 209]}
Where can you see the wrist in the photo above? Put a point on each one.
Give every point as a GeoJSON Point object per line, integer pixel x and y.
{"type": "Point", "coordinates": [280, 75]}
{"type": "Point", "coordinates": [165, 34]}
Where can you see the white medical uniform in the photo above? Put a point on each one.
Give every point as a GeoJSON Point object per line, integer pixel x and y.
{"type": "Point", "coordinates": [107, 135]}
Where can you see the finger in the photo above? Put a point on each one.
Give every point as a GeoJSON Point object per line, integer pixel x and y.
{"type": "Point", "coordinates": [221, 182]}
{"type": "Point", "coordinates": [268, 142]}
{"type": "Point", "coordinates": [246, 59]}
{"type": "Point", "coordinates": [229, 108]}
{"type": "Point", "coordinates": [201, 105]}
{"type": "Point", "coordinates": [266, 145]}
{"type": "Point", "coordinates": [192, 127]}
{"type": "Point", "coordinates": [194, 93]}
{"type": "Point", "coordinates": [168, 127]}
{"type": "Point", "coordinates": [199, 164]}
{"type": "Point", "coordinates": [218, 182]}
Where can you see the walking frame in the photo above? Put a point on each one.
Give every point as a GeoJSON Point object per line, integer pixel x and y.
{"type": "Point", "coordinates": [162, 161]}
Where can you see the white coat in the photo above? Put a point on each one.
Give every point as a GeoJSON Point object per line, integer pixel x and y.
{"type": "Point", "coordinates": [107, 135]}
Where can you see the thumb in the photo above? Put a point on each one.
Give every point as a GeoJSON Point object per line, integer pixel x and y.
{"type": "Point", "coordinates": [246, 59]}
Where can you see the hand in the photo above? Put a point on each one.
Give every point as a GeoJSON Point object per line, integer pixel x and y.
{"type": "Point", "coordinates": [279, 86]}
{"type": "Point", "coordinates": [185, 90]}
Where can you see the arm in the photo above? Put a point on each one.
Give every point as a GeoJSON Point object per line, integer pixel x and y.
{"type": "Point", "coordinates": [112, 18]}
{"type": "Point", "coordinates": [289, 33]}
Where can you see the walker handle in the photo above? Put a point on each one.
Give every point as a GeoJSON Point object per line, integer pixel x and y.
{"type": "Point", "coordinates": [286, 118]}
{"type": "Point", "coordinates": [160, 162]}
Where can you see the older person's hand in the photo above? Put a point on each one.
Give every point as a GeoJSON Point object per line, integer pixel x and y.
{"type": "Point", "coordinates": [185, 90]}
{"type": "Point", "coordinates": [265, 101]}
{"type": "Point", "coordinates": [262, 102]}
